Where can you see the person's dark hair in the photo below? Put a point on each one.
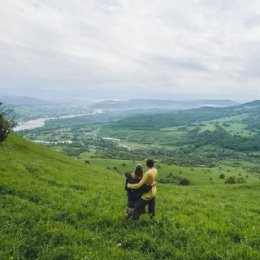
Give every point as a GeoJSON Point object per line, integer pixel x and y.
{"type": "Point", "coordinates": [139, 171]}
{"type": "Point", "coordinates": [150, 163]}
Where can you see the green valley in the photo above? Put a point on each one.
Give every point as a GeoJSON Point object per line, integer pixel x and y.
{"type": "Point", "coordinates": [55, 206]}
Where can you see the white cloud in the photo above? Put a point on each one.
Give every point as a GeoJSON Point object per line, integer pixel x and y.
{"type": "Point", "coordinates": [121, 48]}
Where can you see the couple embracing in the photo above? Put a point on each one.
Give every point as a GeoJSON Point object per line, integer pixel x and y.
{"type": "Point", "coordinates": [141, 190]}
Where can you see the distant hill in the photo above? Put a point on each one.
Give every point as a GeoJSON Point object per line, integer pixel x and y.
{"type": "Point", "coordinates": [188, 116]}
{"type": "Point", "coordinates": [160, 104]}
{"type": "Point", "coordinates": [234, 128]}
{"type": "Point", "coordinates": [22, 101]}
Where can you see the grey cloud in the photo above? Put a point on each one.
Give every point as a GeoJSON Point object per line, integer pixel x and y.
{"type": "Point", "coordinates": [109, 3]}
{"type": "Point", "coordinates": [121, 46]}
{"type": "Point", "coordinates": [251, 68]}
{"type": "Point", "coordinates": [186, 64]}
{"type": "Point", "coordinates": [252, 21]}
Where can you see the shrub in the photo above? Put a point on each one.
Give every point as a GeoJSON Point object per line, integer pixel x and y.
{"type": "Point", "coordinates": [222, 176]}
{"type": "Point", "coordinates": [230, 180]}
{"type": "Point", "coordinates": [184, 182]}
{"type": "Point", "coordinates": [233, 180]}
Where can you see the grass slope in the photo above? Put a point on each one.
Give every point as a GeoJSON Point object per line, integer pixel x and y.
{"type": "Point", "coordinates": [55, 207]}
{"type": "Point", "coordinates": [173, 173]}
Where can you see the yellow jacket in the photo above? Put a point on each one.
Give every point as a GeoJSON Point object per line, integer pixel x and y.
{"type": "Point", "coordinates": [149, 177]}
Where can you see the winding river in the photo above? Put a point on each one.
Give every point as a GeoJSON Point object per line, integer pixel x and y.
{"type": "Point", "coordinates": [40, 122]}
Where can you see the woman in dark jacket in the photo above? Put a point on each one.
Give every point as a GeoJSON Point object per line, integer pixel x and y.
{"type": "Point", "coordinates": [134, 195]}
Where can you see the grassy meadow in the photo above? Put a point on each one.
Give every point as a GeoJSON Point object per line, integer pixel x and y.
{"type": "Point", "coordinates": [57, 207]}
{"type": "Point", "coordinates": [170, 173]}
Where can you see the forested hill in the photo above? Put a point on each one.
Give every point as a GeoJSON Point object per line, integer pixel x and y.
{"type": "Point", "coordinates": [23, 101]}
{"type": "Point", "coordinates": [249, 111]}
{"type": "Point", "coordinates": [159, 104]}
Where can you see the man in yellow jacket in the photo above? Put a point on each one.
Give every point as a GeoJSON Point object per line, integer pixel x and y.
{"type": "Point", "coordinates": [147, 198]}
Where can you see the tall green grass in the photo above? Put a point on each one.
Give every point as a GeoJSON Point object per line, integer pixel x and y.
{"type": "Point", "coordinates": [55, 207]}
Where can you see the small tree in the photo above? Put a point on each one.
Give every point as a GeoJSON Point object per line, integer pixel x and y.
{"type": "Point", "coordinates": [231, 180]}
{"type": "Point", "coordinates": [6, 125]}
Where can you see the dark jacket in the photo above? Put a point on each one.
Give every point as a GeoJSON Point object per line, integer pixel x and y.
{"type": "Point", "coordinates": [136, 194]}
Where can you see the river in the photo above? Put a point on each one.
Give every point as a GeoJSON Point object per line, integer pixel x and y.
{"type": "Point", "coordinates": [40, 122]}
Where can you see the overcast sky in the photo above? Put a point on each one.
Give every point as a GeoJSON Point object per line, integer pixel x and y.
{"type": "Point", "coordinates": [186, 49]}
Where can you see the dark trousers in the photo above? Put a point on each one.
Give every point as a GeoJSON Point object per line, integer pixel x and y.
{"type": "Point", "coordinates": [140, 208]}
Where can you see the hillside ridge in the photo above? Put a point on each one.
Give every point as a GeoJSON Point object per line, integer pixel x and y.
{"type": "Point", "coordinates": [56, 207]}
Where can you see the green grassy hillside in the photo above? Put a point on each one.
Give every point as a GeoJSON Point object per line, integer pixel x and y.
{"type": "Point", "coordinates": [56, 207]}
